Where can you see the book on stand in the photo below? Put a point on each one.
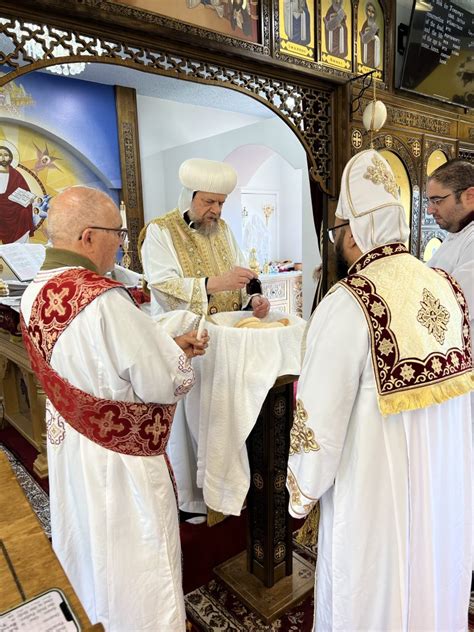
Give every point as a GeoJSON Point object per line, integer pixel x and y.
{"type": "Point", "coordinates": [19, 263]}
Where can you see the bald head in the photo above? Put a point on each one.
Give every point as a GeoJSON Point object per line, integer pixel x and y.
{"type": "Point", "coordinates": [75, 209]}
{"type": "Point", "coordinates": [86, 221]}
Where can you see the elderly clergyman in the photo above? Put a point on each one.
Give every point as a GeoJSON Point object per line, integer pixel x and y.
{"type": "Point", "coordinates": [192, 261]}
{"type": "Point", "coordinates": [382, 429]}
{"type": "Point", "coordinates": [112, 376]}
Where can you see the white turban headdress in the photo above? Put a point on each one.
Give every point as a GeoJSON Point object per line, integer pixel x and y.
{"type": "Point", "coordinates": [197, 174]}
{"type": "Point", "coordinates": [370, 201]}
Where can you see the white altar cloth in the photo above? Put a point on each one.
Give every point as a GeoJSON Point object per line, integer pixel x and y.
{"type": "Point", "coordinates": [233, 379]}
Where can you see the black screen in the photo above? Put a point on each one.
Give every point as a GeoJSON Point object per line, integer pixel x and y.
{"type": "Point", "coordinates": [439, 60]}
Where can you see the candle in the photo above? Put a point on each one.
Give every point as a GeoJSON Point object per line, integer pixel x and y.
{"type": "Point", "coordinates": [123, 214]}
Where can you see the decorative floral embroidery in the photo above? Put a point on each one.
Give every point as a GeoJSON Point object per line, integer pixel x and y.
{"type": "Point", "coordinates": [392, 372]}
{"type": "Point", "coordinates": [454, 360]}
{"type": "Point", "coordinates": [377, 253]}
{"type": "Point", "coordinates": [56, 302]}
{"type": "Point", "coordinates": [55, 429]}
{"type": "Point", "coordinates": [433, 316]}
{"type": "Point", "coordinates": [296, 495]}
{"type": "Point", "coordinates": [301, 437]}
{"type": "Point", "coordinates": [356, 282]}
{"type": "Point", "coordinates": [175, 288]}
{"type": "Point", "coordinates": [125, 427]}
{"type": "Point", "coordinates": [407, 372]}
{"type": "Point", "coordinates": [386, 347]}
{"type": "Point", "coordinates": [377, 309]}
{"type": "Point", "coordinates": [379, 174]}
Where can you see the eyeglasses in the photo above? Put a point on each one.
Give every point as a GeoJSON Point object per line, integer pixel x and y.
{"type": "Point", "coordinates": [331, 231]}
{"type": "Point", "coordinates": [437, 199]}
{"type": "Point", "coordinates": [121, 232]}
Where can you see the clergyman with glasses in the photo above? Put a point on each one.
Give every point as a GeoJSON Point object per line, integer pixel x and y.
{"type": "Point", "coordinates": [112, 377]}
{"type": "Point", "coordinates": [382, 428]}
{"type": "Point", "coordinates": [450, 200]}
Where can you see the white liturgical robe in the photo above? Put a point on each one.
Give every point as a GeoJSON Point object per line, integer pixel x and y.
{"type": "Point", "coordinates": [114, 516]}
{"type": "Point", "coordinates": [395, 491]}
{"type": "Point", "coordinates": [456, 256]}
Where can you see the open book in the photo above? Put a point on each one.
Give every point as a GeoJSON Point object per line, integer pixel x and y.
{"type": "Point", "coordinates": [21, 196]}
{"type": "Point", "coordinates": [20, 262]}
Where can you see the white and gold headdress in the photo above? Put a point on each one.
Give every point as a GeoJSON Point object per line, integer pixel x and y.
{"type": "Point", "coordinates": [370, 201]}
{"type": "Point", "coordinates": [197, 174]}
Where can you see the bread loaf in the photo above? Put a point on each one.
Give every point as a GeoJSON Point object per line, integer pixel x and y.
{"type": "Point", "coordinates": [252, 322]}
{"type": "Point", "coordinates": [245, 321]}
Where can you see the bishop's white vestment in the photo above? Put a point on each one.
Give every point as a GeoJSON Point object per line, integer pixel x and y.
{"type": "Point", "coordinates": [177, 259]}
{"type": "Point", "coordinates": [114, 516]}
{"type": "Point", "coordinates": [394, 548]}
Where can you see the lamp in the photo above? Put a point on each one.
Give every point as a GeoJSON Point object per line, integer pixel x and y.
{"type": "Point", "coordinates": [374, 115]}
{"type": "Point", "coordinates": [36, 50]}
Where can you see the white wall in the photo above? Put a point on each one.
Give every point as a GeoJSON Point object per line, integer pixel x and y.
{"type": "Point", "coordinates": [276, 174]}
{"type": "Point", "coordinates": [163, 124]}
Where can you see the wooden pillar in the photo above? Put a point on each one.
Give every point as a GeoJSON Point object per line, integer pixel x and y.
{"type": "Point", "coordinates": [269, 550]}
{"type": "Point", "coordinates": [127, 123]}
{"type": "Point", "coordinates": [269, 577]}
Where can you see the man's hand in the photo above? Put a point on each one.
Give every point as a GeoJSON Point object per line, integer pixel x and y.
{"type": "Point", "coordinates": [234, 279]}
{"type": "Point", "coordinates": [260, 305]}
{"type": "Point", "coordinates": [191, 346]}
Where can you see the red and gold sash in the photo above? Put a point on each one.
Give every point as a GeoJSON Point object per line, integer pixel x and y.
{"type": "Point", "coordinates": [419, 329]}
{"type": "Point", "coordinates": [126, 427]}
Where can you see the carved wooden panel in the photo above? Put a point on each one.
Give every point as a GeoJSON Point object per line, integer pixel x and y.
{"type": "Point", "coordinates": [127, 121]}
{"type": "Point", "coordinates": [308, 111]}
{"type": "Point", "coordinates": [466, 153]}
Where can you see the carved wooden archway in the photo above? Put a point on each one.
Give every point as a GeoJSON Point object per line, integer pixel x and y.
{"type": "Point", "coordinates": [304, 105]}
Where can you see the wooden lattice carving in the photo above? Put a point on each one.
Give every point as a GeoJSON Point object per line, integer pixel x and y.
{"type": "Point", "coordinates": [307, 111]}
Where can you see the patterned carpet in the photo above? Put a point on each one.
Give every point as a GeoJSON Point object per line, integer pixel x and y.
{"type": "Point", "coordinates": [210, 608]}
{"type": "Point", "coordinates": [36, 496]}
{"type": "Point", "coordinates": [213, 608]}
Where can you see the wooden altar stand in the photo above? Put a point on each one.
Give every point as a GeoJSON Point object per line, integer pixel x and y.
{"type": "Point", "coordinates": [269, 577]}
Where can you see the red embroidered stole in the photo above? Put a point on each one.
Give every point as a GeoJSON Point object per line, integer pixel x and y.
{"type": "Point", "coordinates": [126, 427]}
{"type": "Point", "coordinates": [419, 329]}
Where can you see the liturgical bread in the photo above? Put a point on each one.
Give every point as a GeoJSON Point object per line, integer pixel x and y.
{"type": "Point", "coordinates": [252, 322]}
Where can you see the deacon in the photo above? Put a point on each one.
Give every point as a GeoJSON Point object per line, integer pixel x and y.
{"type": "Point", "coordinates": [382, 430]}
{"type": "Point", "coordinates": [112, 377]}
{"type": "Point", "coordinates": [192, 261]}
{"type": "Point", "coordinates": [450, 192]}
